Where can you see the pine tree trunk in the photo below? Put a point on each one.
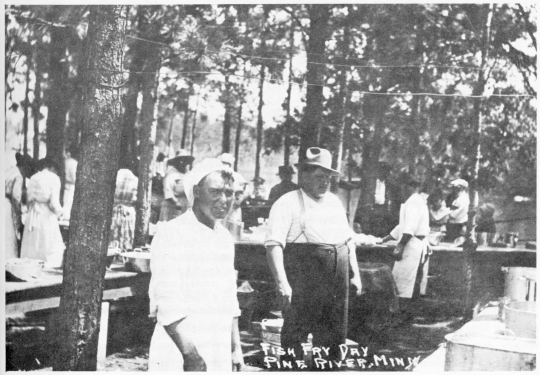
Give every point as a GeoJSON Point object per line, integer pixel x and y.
{"type": "Point", "coordinates": [375, 108]}
{"type": "Point", "coordinates": [57, 98]}
{"type": "Point", "coordinates": [344, 98]}
{"type": "Point", "coordinates": [85, 261]}
{"type": "Point", "coordinates": [226, 139]}
{"type": "Point", "coordinates": [260, 125]}
{"type": "Point", "coordinates": [25, 107]}
{"type": "Point", "coordinates": [127, 153]}
{"type": "Point", "coordinates": [148, 127]}
{"type": "Point", "coordinates": [311, 123]}
{"type": "Point", "coordinates": [36, 106]}
{"type": "Point", "coordinates": [186, 117]}
{"type": "Point", "coordinates": [470, 245]}
{"type": "Point", "coordinates": [288, 120]}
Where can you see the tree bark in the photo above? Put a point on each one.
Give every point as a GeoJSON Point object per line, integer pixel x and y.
{"type": "Point", "coordinates": [57, 97]}
{"type": "Point", "coordinates": [36, 106]}
{"type": "Point", "coordinates": [287, 127]}
{"type": "Point", "coordinates": [311, 123]}
{"type": "Point", "coordinates": [344, 97]}
{"type": "Point", "coordinates": [127, 151]}
{"type": "Point", "coordinates": [194, 123]}
{"type": "Point", "coordinates": [260, 125]}
{"type": "Point", "coordinates": [186, 117]}
{"type": "Point", "coordinates": [148, 126]}
{"type": "Point", "coordinates": [470, 245]}
{"type": "Point", "coordinates": [25, 107]}
{"type": "Point", "coordinates": [239, 123]}
{"type": "Point", "coordinates": [375, 108]}
{"type": "Point", "coordinates": [226, 139]}
{"type": "Point", "coordinates": [85, 260]}
{"type": "Point", "coordinates": [260, 121]}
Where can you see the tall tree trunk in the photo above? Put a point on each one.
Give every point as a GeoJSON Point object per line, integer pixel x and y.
{"type": "Point", "coordinates": [73, 132]}
{"type": "Point", "coordinates": [344, 97]}
{"type": "Point", "coordinates": [25, 107]}
{"type": "Point", "coordinates": [470, 245]}
{"type": "Point", "coordinates": [36, 106]}
{"type": "Point", "coordinates": [127, 151]}
{"type": "Point", "coordinates": [288, 119]}
{"type": "Point", "coordinates": [194, 123]}
{"type": "Point", "coordinates": [260, 125]}
{"type": "Point", "coordinates": [319, 16]}
{"type": "Point", "coordinates": [84, 269]}
{"type": "Point", "coordinates": [172, 114]}
{"type": "Point", "coordinates": [186, 117]}
{"type": "Point", "coordinates": [418, 84]}
{"type": "Point", "coordinates": [372, 149]}
{"type": "Point", "coordinates": [148, 125]}
{"type": "Point", "coordinates": [260, 121]}
{"type": "Point", "coordinates": [226, 139]}
{"type": "Point", "coordinates": [57, 97]}
{"type": "Point", "coordinates": [239, 124]}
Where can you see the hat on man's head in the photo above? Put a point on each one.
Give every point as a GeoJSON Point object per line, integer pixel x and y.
{"type": "Point", "coordinates": [179, 161]}
{"type": "Point", "coordinates": [286, 170]}
{"type": "Point", "coordinates": [227, 158]}
{"type": "Point", "coordinates": [319, 157]}
{"type": "Point", "coordinates": [460, 183]}
{"type": "Point", "coordinates": [200, 171]}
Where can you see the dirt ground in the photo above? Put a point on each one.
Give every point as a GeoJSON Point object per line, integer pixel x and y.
{"type": "Point", "coordinates": [29, 345]}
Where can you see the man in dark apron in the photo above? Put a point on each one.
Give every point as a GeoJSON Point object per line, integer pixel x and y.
{"type": "Point", "coordinates": [313, 260]}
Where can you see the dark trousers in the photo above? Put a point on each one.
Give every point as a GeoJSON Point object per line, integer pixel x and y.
{"type": "Point", "coordinates": [319, 278]}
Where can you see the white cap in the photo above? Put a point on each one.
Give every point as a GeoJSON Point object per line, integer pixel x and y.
{"type": "Point", "coordinates": [460, 182]}
{"type": "Point", "coordinates": [200, 171]}
{"type": "Point", "coordinates": [227, 158]}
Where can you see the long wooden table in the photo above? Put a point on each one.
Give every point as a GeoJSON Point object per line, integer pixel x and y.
{"type": "Point", "coordinates": [447, 265]}
{"type": "Point", "coordinates": [44, 293]}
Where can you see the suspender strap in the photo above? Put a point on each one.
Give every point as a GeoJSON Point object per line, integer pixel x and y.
{"type": "Point", "coordinates": [302, 211]}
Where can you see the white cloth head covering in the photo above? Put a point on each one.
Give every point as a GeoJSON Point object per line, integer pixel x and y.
{"type": "Point", "coordinates": [200, 171]}
{"type": "Point", "coordinates": [227, 158]}
{"type": "Point", "coordinates": [460, 182]}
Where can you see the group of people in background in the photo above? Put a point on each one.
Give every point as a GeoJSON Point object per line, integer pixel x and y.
{"type": "Point", "coordinates": [32, 211]}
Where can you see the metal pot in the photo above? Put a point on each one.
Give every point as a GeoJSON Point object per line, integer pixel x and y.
{"type": "Point", "coordinates": [139, 261]}
{"type": "Point", "coordinates": [473, 352]}
{"type": "Point", "coordinates": [516, 282]}
{"type": "Point", "coordinates": [520, 318]}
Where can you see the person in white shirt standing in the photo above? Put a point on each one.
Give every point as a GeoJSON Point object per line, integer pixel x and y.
{"type": "Point", "coordinates": [310, 251]}
{"type": "Point", "coordinates": [459, 210]}
{"type": "Point", "coordinates": [412, 250]}
{"type": "Point", "coordinates": [193, 285]}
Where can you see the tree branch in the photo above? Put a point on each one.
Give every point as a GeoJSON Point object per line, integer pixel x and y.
{"type": "Point", "coordinates": [530, 29]}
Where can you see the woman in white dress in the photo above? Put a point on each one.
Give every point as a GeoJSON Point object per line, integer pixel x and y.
{"type": "Point", "coordinates": [42, 238]}
{"type": "Point", "coordinates": [14, 200]}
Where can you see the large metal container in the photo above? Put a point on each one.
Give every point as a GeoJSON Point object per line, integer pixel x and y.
{"type": "Point", "coordinates": [520, 318]}
{"type": "Point", "coordinates": [473, 352]}
{"type": "Point", "coordinates": [517, 282]}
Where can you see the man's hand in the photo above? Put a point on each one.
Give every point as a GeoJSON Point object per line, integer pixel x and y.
{"type": "Point", "coordinates": [398, 251]}
{"type": "Point", "coordinates": [237, 360]}
{"type": "Point", "coordinates": [356, 285]}
{"type": "Point", "coordinates": [284, 295]}
{"type": "Point", "coordinates": [194, 362]}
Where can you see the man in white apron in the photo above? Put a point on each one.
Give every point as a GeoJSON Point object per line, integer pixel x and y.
{"type": "Point", "coordinates": [193, 286]}
{"type": "Point", "coordinates": [310, 253]}
{"type": "Point", "coordinates": [412, 251]}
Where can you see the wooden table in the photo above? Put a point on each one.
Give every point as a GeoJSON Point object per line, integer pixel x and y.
{"type": "Point", "coordinates": [447, 265]}
{"type": "Point", "coordinates": [44, 293]}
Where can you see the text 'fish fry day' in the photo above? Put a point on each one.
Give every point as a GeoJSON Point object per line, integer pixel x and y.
{"type": "Point", "coordinates": [318, 356]}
